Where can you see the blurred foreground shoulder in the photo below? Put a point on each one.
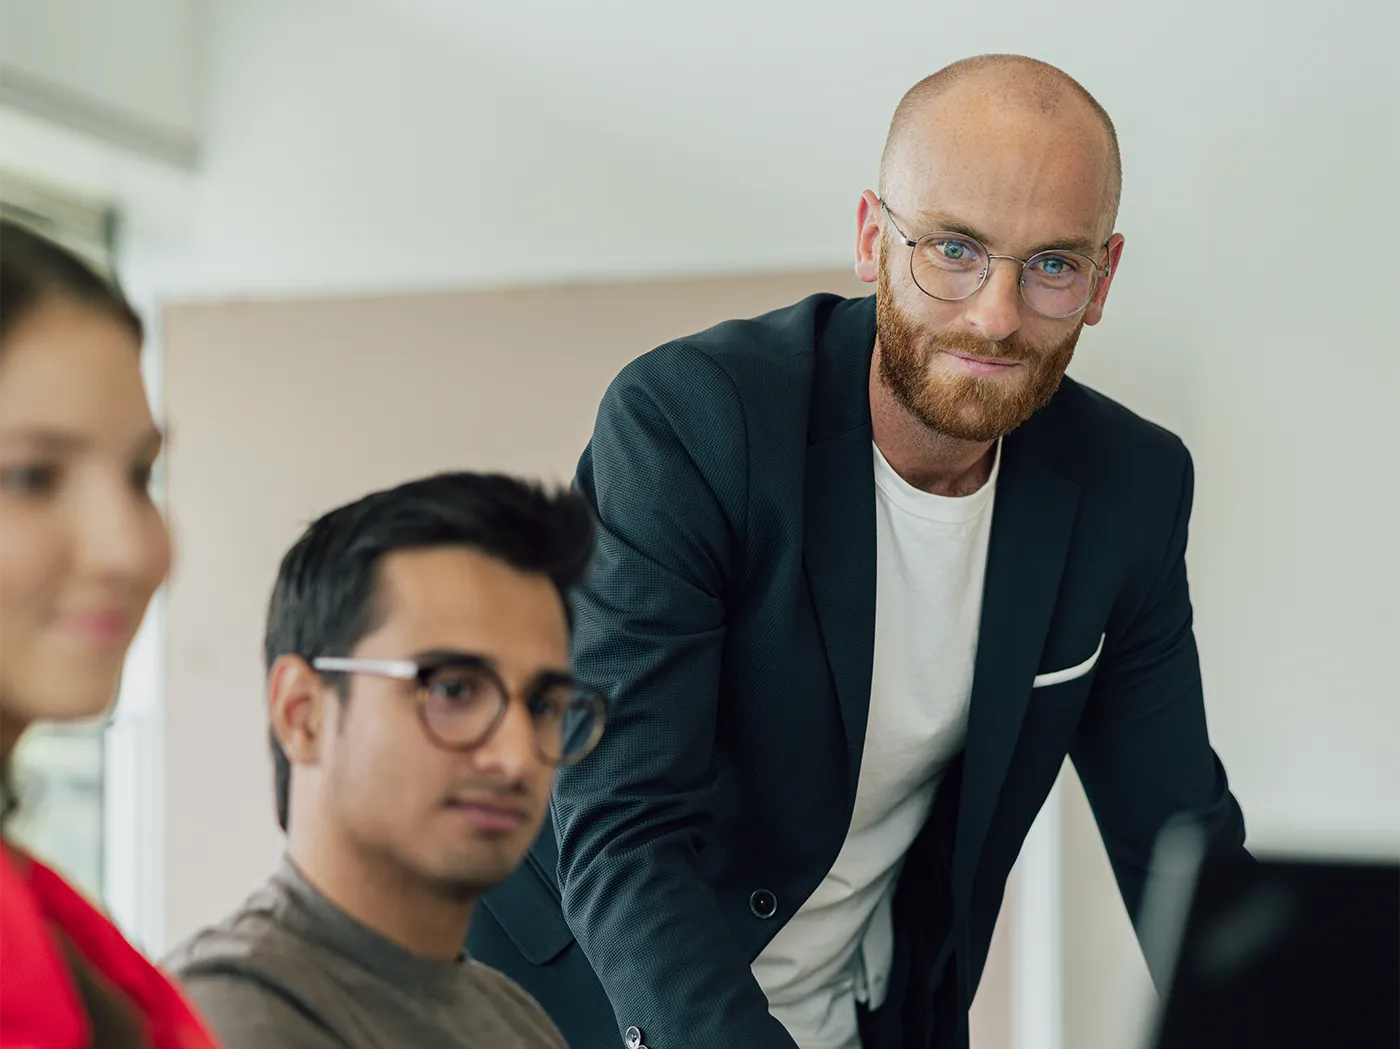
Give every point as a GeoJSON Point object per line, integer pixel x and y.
{"type": "Point", "coordinates": [253, 984]}
{"type": "Point", "coordinates": [245, 1012]}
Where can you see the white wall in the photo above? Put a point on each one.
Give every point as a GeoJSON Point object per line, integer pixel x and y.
{"type": "Point", "coordinates": [417, 144]}
{"type": "Point", "coordinates": [128, 72]}
{"type": "Point", "coordinates": [412, 144]}
{"type": "Point", "coordinates": [1295, 398]}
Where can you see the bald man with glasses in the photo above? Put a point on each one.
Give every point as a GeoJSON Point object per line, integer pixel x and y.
{"type": "Point", "coordinates": [868, 570]}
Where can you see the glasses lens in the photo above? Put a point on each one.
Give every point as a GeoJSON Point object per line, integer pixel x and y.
{"type": "Point", "coordinates": [1057, 284]}
{"type": "Point", "coordinates": [568, 722]}
{"type": "Point", "coordinates": [948, 266]}
{"type": "Point", "coordinates": [461, 701]}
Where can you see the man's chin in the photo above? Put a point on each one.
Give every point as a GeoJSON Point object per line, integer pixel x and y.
{"type": "Point", "coordinates": [976, 430]}
{"type": "Point", "coordinates": [983, 412]}
{"type": "Point", "coordinates": [473, 869]}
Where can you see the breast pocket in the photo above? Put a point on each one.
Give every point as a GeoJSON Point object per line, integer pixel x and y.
{"type": "Point", "coordinates": [1064, 675]}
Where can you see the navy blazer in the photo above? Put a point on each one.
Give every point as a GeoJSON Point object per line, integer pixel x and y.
{"type": "Point", "coordinates": [730, 611]}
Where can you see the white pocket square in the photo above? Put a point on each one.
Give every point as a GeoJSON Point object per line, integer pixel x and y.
{"type": "Point", "coordinates": [1059, 677]}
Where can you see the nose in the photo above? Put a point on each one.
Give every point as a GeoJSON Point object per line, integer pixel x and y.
{"type": "Point", "coordinates": [995, 311]}
{"type": "Point", "coordinates": [511, 751]}
{"type": "Point", "coordinates": [123, 538]}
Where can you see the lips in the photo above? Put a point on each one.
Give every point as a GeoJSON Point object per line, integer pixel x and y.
{"type": "Point", "coordinates": [100, 627]}
{"type": "Point", "coordinates": [973, 358]}
{"type": "Point", "coordinates": [489, 815]}
{"type": "Point", "coordinates": [972, 364]}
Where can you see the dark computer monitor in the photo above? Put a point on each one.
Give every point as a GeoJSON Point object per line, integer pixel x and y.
{"type": "Point", "coordinates": [1271, 954]}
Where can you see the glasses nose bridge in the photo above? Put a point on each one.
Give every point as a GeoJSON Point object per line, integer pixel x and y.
{"type": "Point", "coordinates": [517, 702]}
{"type": "Point", "coordinates": [987, 272]}
{"type": "Point", "coordinates": [1021, 265]}
{"type": "Point", "coordinates": [512, 709]}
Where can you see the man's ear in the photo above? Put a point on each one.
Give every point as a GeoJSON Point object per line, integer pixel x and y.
{"type": "Point", "coordinates": [1094, 313]}
{"type": "Point", "coordinates": [295, 709]}
{"type": "Point", "coordinates": [868, 243]}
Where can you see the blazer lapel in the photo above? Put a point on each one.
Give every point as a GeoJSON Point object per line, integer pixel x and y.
{"type": "Point", "coordinates": [839, 556]}
{"type": "Point", "coordinates": [838, 545]}
{"type": "Point", "coordinates": [1032, 519]}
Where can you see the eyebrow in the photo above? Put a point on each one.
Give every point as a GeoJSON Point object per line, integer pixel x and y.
{"type": "Point", "coordinates": [940, 223]}
{"type": "Point", "coordinates": [65, 441]}
{"type": "Point", "coordinates": [436, 656]}
{"type": "Point", "coordinates": [447, 655]}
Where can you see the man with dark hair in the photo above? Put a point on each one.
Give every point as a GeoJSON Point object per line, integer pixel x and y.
{"type": "Point", "coordinates": [868, 570]}
{"type": "Point", "coordinates": [420, 700]}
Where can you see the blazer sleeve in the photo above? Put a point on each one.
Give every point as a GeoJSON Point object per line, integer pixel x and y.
{"type": "Point", "coordinates": [667, 475]}
{"type": "Point", "coordinates": [1141, 750]}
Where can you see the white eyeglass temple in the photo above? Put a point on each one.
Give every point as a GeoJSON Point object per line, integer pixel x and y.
{"type": "Point", "coordinates": [404, 669]}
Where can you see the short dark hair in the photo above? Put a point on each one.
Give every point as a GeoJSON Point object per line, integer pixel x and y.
{"type": "Point", "coordinates": [35, 270]}
{"type": "Point", "coordinates": [326, 598]}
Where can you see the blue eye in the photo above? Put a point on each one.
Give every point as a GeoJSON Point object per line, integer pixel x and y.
{"type": "Point", "coordinates": [1055, 266]}
{"type": "Point", "coordinates": [953, 253]}
{"type": "Point", "coordinates": [955, 250]}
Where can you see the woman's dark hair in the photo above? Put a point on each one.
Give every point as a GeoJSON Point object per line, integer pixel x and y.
{"type": "Point", "coordinates": [8, 804]}
{"type": "Point", "coordinates": [35, 270]}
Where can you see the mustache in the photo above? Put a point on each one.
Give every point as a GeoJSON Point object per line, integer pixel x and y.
{"type": "Point", "coordinates": [488, 788]}
{"type": "Point", "coordinates": [966, 344]}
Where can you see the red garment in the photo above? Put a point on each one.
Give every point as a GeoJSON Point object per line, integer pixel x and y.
{"type": "Point", "coordinates": [39, 1003]}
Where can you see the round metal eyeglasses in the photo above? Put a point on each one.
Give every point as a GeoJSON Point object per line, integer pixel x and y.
{"type": "Point", "coordinates": [461, 700]}
{"type": "Point", "coordinates": [953, 266]}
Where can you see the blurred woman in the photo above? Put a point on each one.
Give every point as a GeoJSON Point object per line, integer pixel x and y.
{"type": "Point", "coordinates": [82, 550]}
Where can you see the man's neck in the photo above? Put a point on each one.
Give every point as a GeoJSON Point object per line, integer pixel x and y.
{"type": "Point", "coordinates": [926, 459]}
{"type": "Point", "coordinates": [382, 896]}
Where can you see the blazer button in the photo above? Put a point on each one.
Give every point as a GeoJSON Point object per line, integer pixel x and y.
{"type": "Point", "coordinates": [632, 1038]}
{"type": "Point", "coordinates": [763, 904]}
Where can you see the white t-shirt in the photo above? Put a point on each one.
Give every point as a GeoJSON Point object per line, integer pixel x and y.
{"type": "Point", "coordinates": [931, 558]}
